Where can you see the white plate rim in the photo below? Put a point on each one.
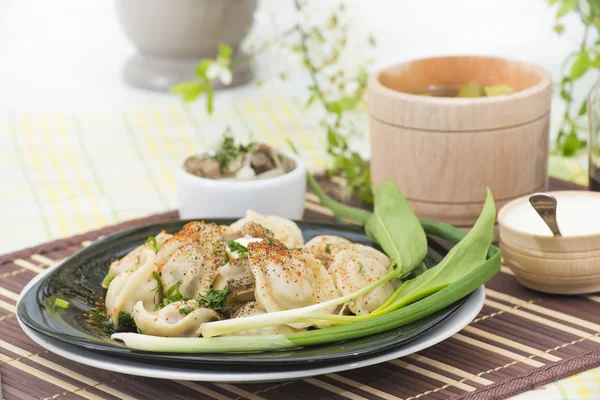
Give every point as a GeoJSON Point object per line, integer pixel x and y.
{"type": "Point", "coordinates": [447, 328]}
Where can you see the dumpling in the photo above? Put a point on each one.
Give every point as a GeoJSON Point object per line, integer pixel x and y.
{"type": "Point", "coordinates": [191, 258]}
{"type": "Point", "coordinates": [251, 229]}
{"type": "Point", "coordinates": [132, 260]}
{"type": "Point", "coordinates": [129, 288]}
{"type": "Point", "coordinates": [351, 271]}
{"type": "Point", "coordinates": [283, 229]}
{"type": "Point", "coordinates": [253, 308]}
{"type": "Point", "coordinates": [286, 279]}
{"type": "Point", "coordinates": [178, 319]}
{"type": "Point", "coordinates": [325, 247]}
{"type": "Point", "coordinates": [237, 276]}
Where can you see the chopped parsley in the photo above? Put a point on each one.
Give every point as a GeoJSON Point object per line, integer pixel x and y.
{"type": "Point", "coordinates": [229, 151]}
{"type": "Point", "coordinates": [360, 269]}
{"type": "Point", "coordinates": [125, 321]}
{"type": "Point", "coordinates": [239, 249]}
{"type": "Point", "coordinates": [186, 310]}
{"type": "Point", "coordinates": [153, 243]}
{"type": "Point", "coordinates": [159, 287]}
{"type": "Point", "coordinates": [214, 299]}
{"type": "Point", "coordinates": [327, 248]}
{"type": "Point", "coordinates": [173, 294]}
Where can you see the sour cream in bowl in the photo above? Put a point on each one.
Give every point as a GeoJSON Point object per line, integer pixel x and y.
{"type": "Point", "coordinates": [568, 264]}
{"type": "Point", "coordinates": [232, 178]}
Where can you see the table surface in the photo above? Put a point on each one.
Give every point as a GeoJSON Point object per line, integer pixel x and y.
{"type": "Point", "coordinates": [69, 161]}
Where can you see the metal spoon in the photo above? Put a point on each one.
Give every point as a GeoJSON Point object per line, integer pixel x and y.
{"type": "Point", "coordinates": [545, 205]}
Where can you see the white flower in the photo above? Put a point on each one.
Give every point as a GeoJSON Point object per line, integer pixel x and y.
{"type": "Point", "coordinates": [351, 87]}
{"type": "Point", "coordinates": [218, 70]}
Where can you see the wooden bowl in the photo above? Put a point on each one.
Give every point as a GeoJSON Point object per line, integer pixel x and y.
{"type": "Point", "coordinates": [563, 265]}
{"type": "Point", "coordinates": [444, 152]}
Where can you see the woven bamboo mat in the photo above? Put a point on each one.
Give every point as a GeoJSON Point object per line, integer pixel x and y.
{"type": "Point", "coordinates": [520, 340]}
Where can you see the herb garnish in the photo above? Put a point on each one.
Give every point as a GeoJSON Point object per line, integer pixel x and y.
{"type": "Point", "coordinates": [125, 321]}
{"type": "Point", "coordinates": [328, 248]}
{"type": "Point", "coordinates": [159, 287]}
{"type": "Point", "coordinates": [186, 310]}
{"type": "Point", "coordinates": [229, 151]}
{"type": "Point", "coordinates": [360, 269]}
{"type": "Point", "coordinates": [153, 243]}
{"type": "Point", "coordinates": [173, 294]}
{"type": "Point", "coordinates": [239, 249]}
{"type": "Point", "coordinates": [214, 299]}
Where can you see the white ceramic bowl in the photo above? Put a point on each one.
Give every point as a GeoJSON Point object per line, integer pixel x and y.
{"type": "Point", "coordinates": [282, 195]}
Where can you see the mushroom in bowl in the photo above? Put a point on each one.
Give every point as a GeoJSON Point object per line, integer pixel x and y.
{"type": "Point", "coordinates": [232, 178]}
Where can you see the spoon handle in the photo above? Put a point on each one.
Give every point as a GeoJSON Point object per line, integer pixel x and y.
{"type": "Point", "coordinates": [545, 205]}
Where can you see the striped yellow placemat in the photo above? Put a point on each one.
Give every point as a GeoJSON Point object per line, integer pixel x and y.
{"type": "Point", "coordinates": [65, 173]}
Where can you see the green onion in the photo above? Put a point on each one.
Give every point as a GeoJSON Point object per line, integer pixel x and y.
{"type": "Point", "coordinates": [107, 280]}
{"type": "Point", "coordinates": [61, 303]}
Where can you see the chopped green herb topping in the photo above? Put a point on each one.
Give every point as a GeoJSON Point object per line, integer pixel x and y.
{"type": "Point", "coordinates": [327, 248]}
{"type": "Point", "coordinates": [153, 244]}
{"type": "Point", "coordinates": [173, 294]}
{"type": "Point", "coordinates": [214, 299]}
{"type": "Point", "coordinates": [186, 310]}
{"type": "Point", "coordinates": [229, 151]}
{"type": "Point", "coordinates": [125, 321]}
{"type": "Point", "coordinates": [360, 269]}
{"type": "Point", "coordinates": [61, 303]}
{"type": "Point", "coordinates": [159, 287]}
{"type": "Point", "coordinates": [139, 330]}
{"type": "Point", "coordinates": [240, 250]}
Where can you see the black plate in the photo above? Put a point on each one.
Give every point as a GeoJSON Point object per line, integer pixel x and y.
{"type": "Point", "coordinates": [78, 279]}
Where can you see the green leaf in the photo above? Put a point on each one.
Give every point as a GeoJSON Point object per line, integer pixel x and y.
{"type": "Point", "coordinates": [311, 99]}
{"type": "Point", "coordinates": [396, 228]}
{"type": "Point", "coordinates": [571, 144]}
{"type": "Point", "coordinates": [189, 90]}
{"type": "Point", "coordinates": [467, 255]}
{"type": "Point", "coordinates": [566, 7]}
{"type": "Point", "coordinates": [565, 95]}
{"type": "Point", "coordinates": [225, 51]}
{"type": "Point", "coordinates": [580, 65]}
{"type": "Point", "coordinates": [202, 67]}
{"type": "Point", "coordinates": [372, 41]}
{"type": "Point", "coordinates": [583, 108]}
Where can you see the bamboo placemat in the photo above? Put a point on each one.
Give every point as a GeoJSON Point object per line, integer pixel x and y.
{"type": "Point", "coordinates": [520, 340]}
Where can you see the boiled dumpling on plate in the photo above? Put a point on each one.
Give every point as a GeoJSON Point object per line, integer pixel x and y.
{"type": "Point", "coordinates": [191, 258]}
{"type": "Point", "coordinates": [237, 276]}
{"type": "Point", "coordinates": [178, 319]}
{"type": "Point", "coordinates": [132, 260]}
{"type": "Point", "coordinates": [283, 229]}
{"type": "Point", "coordinates": [325, 247]}
{"type": "Point", "coordinates": [129, 288]}
{"type": "Point", "coordinates": [286, 279]}
{"type": "Point", "coordinates": [351, 272]}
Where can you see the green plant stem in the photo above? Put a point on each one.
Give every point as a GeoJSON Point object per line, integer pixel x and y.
{"type": "Point", "coordinates": [340, 210]}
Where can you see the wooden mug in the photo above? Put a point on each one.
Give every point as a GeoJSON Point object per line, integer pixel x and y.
{"type": "Point", "coordinates": [443, 152]}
